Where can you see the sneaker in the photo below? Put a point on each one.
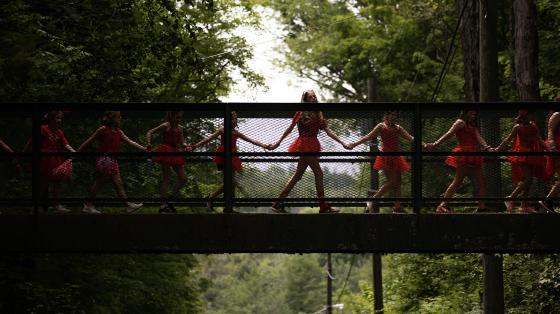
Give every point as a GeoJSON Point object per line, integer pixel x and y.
{"type": "Point", "coordinates": [547, 206]}
{"type": "Point", "coordinates": [90, 209]}
{"type": "Point", "coordinates": [328, 210]}
{"type": "Point", "coordinates": [133, 207]}
{"type": "Point", "coordinates": [509, 206]}
{"type": "Point", "coordinates": [443, 209]}
{"type": "Point", "coordinates": [371, 207]}
{"type": "Point", "coordinates": [527, 210]}
{"type": "Point", "coordinates": [61, 209]}
{"type": "Point", "coordinates": [278, 207]}
{"type": "Point", "coordinates": [171, 208]}
{"type": "Point", "coordinates": [164, 209]}
{"type": "Point", "coordinates": [209, 206]}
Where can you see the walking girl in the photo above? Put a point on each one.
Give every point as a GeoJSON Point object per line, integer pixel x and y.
{"type": "Point", "coordinates": [392, 166]}
{"type": "Point", "coordinates": [109, 136]}
{"type": "Point", "coordinates": [172, 140]}
{"type": "Point", "coordinates": [309, 123]}
{"type": "Point", "coordinates": [465, 128]}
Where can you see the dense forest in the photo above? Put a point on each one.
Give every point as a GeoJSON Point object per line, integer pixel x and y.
{"type": "Point", "coordinates": [161, 51]}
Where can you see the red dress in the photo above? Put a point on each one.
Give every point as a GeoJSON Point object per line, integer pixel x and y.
{"type": "Point", "coordinates": [53, 141]}
{"type": "Point", "coordinates": [467, 143]}
{"type": "Point", "coordinates": [109, 142]}
{"type": "Point", "coordinates": [551, 161]}
{"type": "Point", "coordinates": [235, 161]}
{"type": "Point", "coordinates": [390, 143]}
{"type": "Point", "coordinates": [171, 142]}
{"type": "Point", "coordinates": [526, 140]}
{"type": "Point", "coordinates": [308, 130]}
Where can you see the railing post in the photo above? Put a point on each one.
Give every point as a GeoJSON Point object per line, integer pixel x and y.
{"type": "Point", "coordinates": [228, 175]}
{"type": "Point", "coordinates": [417, 159]}
{"type": "Point", "coordinates": [35, 158]}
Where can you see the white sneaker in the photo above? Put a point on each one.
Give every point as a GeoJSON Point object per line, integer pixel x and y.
{"type": "Point", "coordinates": [90, 209]}
{"type": "Point", "coordinates": [61, 209]}
{"type": "Point", "coordinates": [132, 207]}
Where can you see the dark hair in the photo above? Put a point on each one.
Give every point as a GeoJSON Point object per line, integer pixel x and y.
{"type": "Point", "coordinates": [523, 116]}
{"type": "Point", "coordinates": [50, 115]}
{"type": "Point", "coordinates": [557, 98]}
{"type": "Point", "coordinates": [463, 116]}
{"type": "Point", "coordinates": [305, 95]}
{"type": "Point", "coordinates": [107, 118]}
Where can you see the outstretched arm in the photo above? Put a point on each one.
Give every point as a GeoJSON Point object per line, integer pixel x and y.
{"type": "Point", "coordinates": [371, 135]}
{"type": "Point", "coordinates": [459, 124]}
{"type": "Point", "coordinates": [151, 131]}
{"type": "Point", "coordinates": [252, 141]}
{"type": "Point", "coordinates": [331, 134]}
{"type": "Point", "coordinates": [509, 138]}
{"type": "Point", "coordinates": [131, 142]}
{"type": "Point", "coordinates": [91, 138]}
{"type": "Point", "coordinates": [6, 147]}
{"type": "Point", "coordinates": [208, 139]}
{"type": "Point", "coordinates": [405, 134]}
{"type": "Point", "coordinates": [286, 133]}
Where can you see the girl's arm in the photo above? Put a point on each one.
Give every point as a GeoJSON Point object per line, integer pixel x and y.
{"type": "Point", "coordinates": [405, 134]}
{"type": "Point", "coordinates": [69, 148]}
{"type": "Point", "coordinates": [6, 147]}
{"type": "Point", "coordinates": [459, 124]}
{"type": "Point", "coordinates": [331, 134]}
{"type": "Point", "coordinates": [208, 139]}
{"type": "Point", "coordinates": [481, 141]}
{"type": "Point", "coordinates": [552, 124]}
{"type": "Point", "coordinates": [286, 133]}
{"type": "Point", "coordinates": [91, 138]}
{"type": "Point", "coordinates": [252, 141]}
{"type": "Point", "coordinates": [371, 135]}
{"type": "Point", "coordinates": [509, 138]}
{"type": "Point", "coordinates": [151, 131]}
{"type": "Point", "coordinates": [131, 142]}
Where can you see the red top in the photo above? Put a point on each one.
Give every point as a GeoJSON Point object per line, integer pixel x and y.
{"type": "Point", "coordinates": [110, 140]}
{"type": "Point", "coordinates": [52, 140]}
{"type": "Point", "coordinates": [309, 128]}
{"type": "Point", "coordinates": [526, 136]}
{"type": "Point", "coordinates": [390, 138]}
{"type": "Point", "coordinates": [172, 137]}
{"type": "Point", "coordinates": [467, 137]}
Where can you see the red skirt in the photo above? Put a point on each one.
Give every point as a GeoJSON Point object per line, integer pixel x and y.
{"type": "Point", "coordinates": [168, 160]}
{"type": "Point", "coordinates": [219, 161]}
{"type": "Point", "coordinates": [47, 166]}
{"type": "Point", "coordinates": [305, 144]}
{"type": "Point", "coordinates": [64, 171]}
{"type": "Point", "coordinates": [458, 161]}
{"type": "Point", "coordinates": [391, 163]}
{"type": "Point", "coordinates": [532, 161]}
{"type": "Point", "coordinates": [107, 166]}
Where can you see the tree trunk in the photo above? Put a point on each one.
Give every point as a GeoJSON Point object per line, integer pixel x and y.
{"type": "Point", "coordinates": [469, 43]}
{"type": "Point", "coordinates": [526, 49]}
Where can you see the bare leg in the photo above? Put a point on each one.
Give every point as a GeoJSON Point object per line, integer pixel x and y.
{"type": "Point", "coordinates": [388, 186]}
{"type": "Point", "coordinates": [460, 173]}
{"type": "Point", "coordinates": [300, 170]}
{"type": "Point", "coordinates": [166, 173]}
{"type": "Point", "coordinates": [181, 179]}
{"type": "Point", "coordinates": [119, 186]}
{"type": "Point", "coordinates": [481, 183]}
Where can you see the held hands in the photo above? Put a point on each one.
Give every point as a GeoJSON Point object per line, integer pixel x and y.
{"type": "Point", "coordinates": [348, 146]}
{"type": "Point", "coordinates": [270, 146]}
{"type": "Point", "coordinates": [430, 146]}
{"type": "Point", "coordinates": [190, 147]}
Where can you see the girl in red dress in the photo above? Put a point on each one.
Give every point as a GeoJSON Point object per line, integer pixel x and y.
{"type": "Point", "coordinates": [54, 169]}
{"type": "Point", "coordinates": [109, 136]}
{"type": "Point", "coordinates": [219, 160]}
{"type": "Point", "coordinates": [468, 136]}
{"type": "Point", "coordinates": [524, 168]}
{"type": "Point", "coordinates": [309, 123]}
{"type": "Point", "coordinates": [392, 166]}
{"type": "Point", "coordinates": [172, 136]}
{"type": "Point", "coordinates": [552, 162]}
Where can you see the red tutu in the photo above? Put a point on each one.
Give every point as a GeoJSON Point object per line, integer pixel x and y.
{"type": "Point", "coordinates": [47, 166]}
{"type": "Point", "coordinates": [457, 161]}
{"type": "Point", "coordinates": [305, 144]}
{"type": "Point", "coordinates": [64, 171]}
{"type": "Point", "coordinates": [533, 161]}
{"type": "Point", "coordinates": [168, 160]}
{"type": "Point", "coordinates": [391, 163]}
{"type": "Point", "coordinates": [219, 161]}
{"type": "Point", "coordinates": [107, 166]}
